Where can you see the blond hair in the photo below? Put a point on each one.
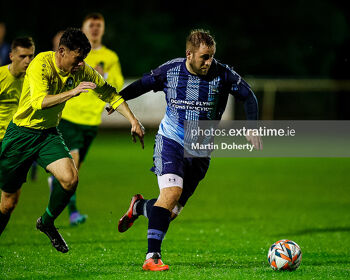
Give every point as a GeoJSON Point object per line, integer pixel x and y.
{"type": "Point", "coordinates": [198, 37]}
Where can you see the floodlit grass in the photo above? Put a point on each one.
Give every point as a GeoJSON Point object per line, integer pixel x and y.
{"type": "Point", "coordinates": [240, 208]}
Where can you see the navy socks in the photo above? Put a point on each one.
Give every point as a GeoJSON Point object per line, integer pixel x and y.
{"type": "Point", "coordinates": [144, 207]}
{"type": "Point", "coordinates": [158, 225]}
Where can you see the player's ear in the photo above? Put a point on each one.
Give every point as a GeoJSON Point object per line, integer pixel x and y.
{"type": "Point", "coordinates": [61, 50]}
{"type": "Point", "coordinates": [11, 55]}
{"type": "Point", "coordinates": [188, 54]}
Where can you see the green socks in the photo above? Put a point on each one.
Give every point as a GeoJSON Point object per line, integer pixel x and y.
{"type": "Point", "coordinates": [59, 199]}
{"type": "Point", "coordinates": [72, 205]}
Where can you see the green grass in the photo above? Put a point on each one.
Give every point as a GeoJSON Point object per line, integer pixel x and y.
{"type": "Point", "coordinates": [240, 208]}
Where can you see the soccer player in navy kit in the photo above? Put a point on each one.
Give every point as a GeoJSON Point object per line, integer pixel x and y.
{"type": "Point", "coordinates": [198, 77]}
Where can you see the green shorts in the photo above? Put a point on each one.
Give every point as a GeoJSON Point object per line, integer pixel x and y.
{"type": "Point", "coordinates": [77, 137]}
{"type": "Point", "coordinates": [21, 146]}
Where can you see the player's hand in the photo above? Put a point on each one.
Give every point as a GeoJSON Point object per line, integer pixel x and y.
{"type": "Point", "coordinates": [109, 110]}
{"type": "Point", "coordinates": [138, 130]}
{"type": "Point", "coordinates": [255, 140]}
{"type": "Point", "coordinates": [83, 87]}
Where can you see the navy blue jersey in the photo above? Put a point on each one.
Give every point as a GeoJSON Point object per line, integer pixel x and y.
{"type": "Point", "coordinates": [194, 98]}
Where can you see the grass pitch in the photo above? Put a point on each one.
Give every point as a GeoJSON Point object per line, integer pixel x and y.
{"type": "Point", "coordinates": [240, 208]}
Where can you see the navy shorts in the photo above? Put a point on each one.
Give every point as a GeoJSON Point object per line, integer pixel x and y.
{"type": "Point", "coordinates": [168, 158]}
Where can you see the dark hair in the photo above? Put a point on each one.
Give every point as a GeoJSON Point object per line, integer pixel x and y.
{"type": "Point", "coordinates": [93, 16]}
{"type": "Point", "coordinates": [75, 39]}
{"type": "Point", "coordinates": [198, 37]}
{"type": "Point", "coordinates": [24, 42]}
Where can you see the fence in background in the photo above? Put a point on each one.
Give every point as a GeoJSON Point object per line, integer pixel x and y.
{"type": "Point", "coordinates": [270, 87]}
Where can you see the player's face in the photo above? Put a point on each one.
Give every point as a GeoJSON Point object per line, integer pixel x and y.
{"type": "Point", "coordinates": [94, 29]}
{"type": "Point", "coordinates": [21, 57]}
{"type": "Point", "coordinates": [200, 60]}
{"type": "Point", "coordinates": [71, 60]}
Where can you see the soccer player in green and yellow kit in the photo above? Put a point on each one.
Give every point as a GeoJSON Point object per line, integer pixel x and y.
{"type": "Point", "coordinates": [11, 79]}
{"type": "Point", "coordinates": [51, 79]}
{"type": "Point", "coordinates": [82, 115]}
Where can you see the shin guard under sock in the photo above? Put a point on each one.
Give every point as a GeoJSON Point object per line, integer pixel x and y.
{"type": "Point", "coordinates": [157, 227]}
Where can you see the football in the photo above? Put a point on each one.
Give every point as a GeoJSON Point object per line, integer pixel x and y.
{"type": "Point", "coordinates": [284, 255]}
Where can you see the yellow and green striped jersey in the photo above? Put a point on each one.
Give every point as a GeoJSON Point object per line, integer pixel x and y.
{"type": "Point", "coordinates": [42, 78]}
{"type": "Point", "coordinates": [86, 109]}
{"type": "Point", "coordinates": [10, 91]}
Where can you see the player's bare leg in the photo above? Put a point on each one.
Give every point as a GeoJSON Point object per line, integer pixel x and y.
{"type": "Point", "coordinates": [168, 197]}
{"type": "Point", "coordinates": [67, 175]}
{"type": "Point", "coordinates": [7, 205]}
{"type": "Point", "coordinates": [75, 217]}
{"type": "Point", "coordinates": [65, 172]}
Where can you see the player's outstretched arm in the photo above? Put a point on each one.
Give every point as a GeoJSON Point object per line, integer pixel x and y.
{"type": "Point", "coordinates": [137, 128]}
{"type": "Point", "coordinates": [134, 90]}
{"type": "Point", "coordinates": [251, 110]}
{"type": "Point", "coordinates": [52, 100]}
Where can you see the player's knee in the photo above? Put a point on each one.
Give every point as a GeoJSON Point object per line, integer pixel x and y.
{"type": "Point", "coordinates": [175, 194]}
{"type": "Point", "coordinates": [8, 205]}
{"type": "Point", "coordinates": [171, 194]}
{"type": "Point", "coordinates": [70, 181]}
{"type": "Point", "coordinates": [169, 197]}
{"type": "Point", "coordinates": [73, 182]}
